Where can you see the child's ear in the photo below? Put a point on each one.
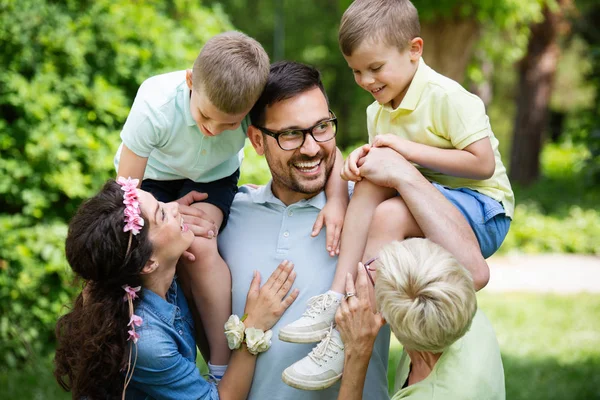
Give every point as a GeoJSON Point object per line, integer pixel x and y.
{"type": "Point", "coordinates": [416, 49]}
{"type": "Point", "coordinates": [257, 139]}
{"type": "Point", "coordinates": [188, 78]}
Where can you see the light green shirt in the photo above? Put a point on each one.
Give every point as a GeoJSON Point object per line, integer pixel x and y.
{"type": "Point", "coordinates": [160, 127]}
{"type": "Point", "coordinates": [470, 369]}
{"type": "Point", "coordinates": [438, 112]}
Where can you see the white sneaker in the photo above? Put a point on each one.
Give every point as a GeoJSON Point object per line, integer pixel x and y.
{"type": "Point", "coordinates": [321, 368]}
{"type": "Point", "coordinates": [314, 323]}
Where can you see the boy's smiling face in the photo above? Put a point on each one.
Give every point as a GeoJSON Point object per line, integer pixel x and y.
{"type": "Point", "coordinates": [383, 70]}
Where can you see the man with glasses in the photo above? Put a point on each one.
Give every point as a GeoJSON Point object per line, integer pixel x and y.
{"type": "Point", "coordinates": [293, 127]}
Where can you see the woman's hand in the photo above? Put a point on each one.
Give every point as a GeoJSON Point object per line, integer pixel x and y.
{"type": "Point", "coordinates": [266, 304]}
{"type": "Point", "coordinates": [355, 320]}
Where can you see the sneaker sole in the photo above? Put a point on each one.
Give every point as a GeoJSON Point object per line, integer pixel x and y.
{"type": "Point", "coordinates": [308, 337]}
{"type": "Point", "coordinates": [304, 385]}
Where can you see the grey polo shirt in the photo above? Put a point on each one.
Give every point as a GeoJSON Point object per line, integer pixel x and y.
{"type": "Point", "coordinates": [261, 233]}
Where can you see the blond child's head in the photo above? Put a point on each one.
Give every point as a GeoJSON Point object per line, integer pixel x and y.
{"type": "Point", "coordinates": [426, 296]}
{"type": "Point", "coordinates": [227, 78]}
{"type": "Point", "coordinates": [380, 41]}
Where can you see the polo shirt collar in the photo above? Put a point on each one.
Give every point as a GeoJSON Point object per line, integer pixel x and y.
{"type": "Point", "coordinates": [165, 310]}
{"type": "Point", "coordinates": [185, 92]}
{"type": "Point", "coordinates": [264, 194]}
{"type": "Point", "coordinates": [415, 90]}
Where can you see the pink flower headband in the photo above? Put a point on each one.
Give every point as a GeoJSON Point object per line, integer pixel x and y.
{"type": "Point", "coordinates": [133, 219]}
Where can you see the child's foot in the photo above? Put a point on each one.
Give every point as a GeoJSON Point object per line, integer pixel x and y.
{"type": "Point", "coordinates": [321, 368]}
{"type": "Point", "coordinates": [316, 321]}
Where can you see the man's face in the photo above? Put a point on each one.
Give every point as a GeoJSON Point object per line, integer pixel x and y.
{"type": "Point", "coordinates": [300, 173]}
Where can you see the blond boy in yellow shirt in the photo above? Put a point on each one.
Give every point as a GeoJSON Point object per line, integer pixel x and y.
{"type": "Point", "coordinates": [431, 121]}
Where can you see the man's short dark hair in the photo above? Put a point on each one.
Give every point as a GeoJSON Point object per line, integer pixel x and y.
{"type": "Point", "coordinates": [286, 80]}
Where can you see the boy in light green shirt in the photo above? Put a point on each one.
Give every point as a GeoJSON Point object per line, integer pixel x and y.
{"type": "Point", "coordinates": [430, 120]}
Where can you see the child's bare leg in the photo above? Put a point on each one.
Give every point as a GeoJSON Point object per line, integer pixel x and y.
{"type": "Point", "coordinates": [366, 198]}
{"type": "Point", "coordinates": [210, 282]}
{"type": "Point", "coordinates": [392, 221]}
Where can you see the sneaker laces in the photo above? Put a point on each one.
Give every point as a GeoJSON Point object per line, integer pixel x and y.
{"type": "Point", "coordinates": [318, 304]}
{"type": "Point", "coordinates": [326, 349]}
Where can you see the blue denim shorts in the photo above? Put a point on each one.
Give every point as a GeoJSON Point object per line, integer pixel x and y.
{"type": "Point", "coordinates": [485, 215]}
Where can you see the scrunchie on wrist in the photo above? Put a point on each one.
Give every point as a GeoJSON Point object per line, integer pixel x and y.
{"type": "Point", "coordinates": [257, 340]}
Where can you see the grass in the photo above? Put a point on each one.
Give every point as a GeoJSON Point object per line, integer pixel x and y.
{"type": "Point", "coordinates": [550, 349]}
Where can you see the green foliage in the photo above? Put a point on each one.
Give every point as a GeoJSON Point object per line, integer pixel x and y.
{"type": "Point", "coordinates": [35, 283]}
{"type": "Point", "coordinates": [70, 72]}
{"type": "Point", "coordinates": [587, 127]}
{"type": "Point", "coordinates": [559, 213]}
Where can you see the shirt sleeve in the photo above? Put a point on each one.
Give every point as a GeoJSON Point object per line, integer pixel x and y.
{"type": "Point", "coordinates": [371, 115]}
{"type": "Point", "coordinates": [463, 120]}
{"type": "Point", "coordinates": [143, 128]}
{"type": "Point", "coordinates": [162, 372]}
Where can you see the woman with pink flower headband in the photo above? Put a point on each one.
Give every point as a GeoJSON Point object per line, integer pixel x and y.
{"type": "Point", "coordinates": [130, 333]}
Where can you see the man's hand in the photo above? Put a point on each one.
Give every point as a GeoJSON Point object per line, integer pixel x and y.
{"type": "Point", "coordinates": [402, 146]}
{"type": "Point", "coordinates": [196, 220]}
{"type": "Point", "coordinates": [356, 322]}
{"type": "Point", "coordinates": [350, 172]}
{"type": "Point", "coordinates": [332, 216]}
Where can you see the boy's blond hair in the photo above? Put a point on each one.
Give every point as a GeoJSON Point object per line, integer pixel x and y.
{"type": "Point", "coordinates": [395, 22]}
{"type": "Point", "coordinates": [231, 70]}
{"type": "Point", "coordinates": [426, 296]}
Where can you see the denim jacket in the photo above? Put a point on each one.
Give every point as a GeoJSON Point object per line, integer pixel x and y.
{"type": "Point", "coordinates": [166, 351]}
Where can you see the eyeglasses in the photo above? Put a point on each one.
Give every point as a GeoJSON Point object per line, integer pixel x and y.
{"type": "Point", "coordinates": [369, 269]}
{"type": "Point", "coordinates": [293, 139]}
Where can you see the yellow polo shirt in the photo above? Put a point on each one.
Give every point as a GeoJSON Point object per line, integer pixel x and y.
{"type": "Point", "coordinates": [439, 112]}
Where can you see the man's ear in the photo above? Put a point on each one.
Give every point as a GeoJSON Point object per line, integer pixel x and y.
{"type": "Point", "coordinates": [151, 266]}
{"type": "Point", "coordinates": [188, 78]}
{"type": "Point", "coordinates": [257, 139]}
{"type": "Point", "coordinates": [416, 49]}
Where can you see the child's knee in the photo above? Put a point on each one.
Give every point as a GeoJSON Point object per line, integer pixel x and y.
{"type": "Point", "coordinates": [391, 213]}
{"type": "Point", "coordinates": [204, 250]}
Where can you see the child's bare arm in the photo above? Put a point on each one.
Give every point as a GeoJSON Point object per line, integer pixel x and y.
{"type": "Point", "coordinates": [131, 165]}
{"type": "Point", "coordinates": [332, 215]}
{"type": "Point", "coordinates": [476, 161]}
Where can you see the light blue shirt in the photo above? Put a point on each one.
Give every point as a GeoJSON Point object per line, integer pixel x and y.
{"type": "Point", "coordinates": [166, 351]}
{"type": "Point", "coordinates": [261, 233]}
{"type": "Point", "coordinates": [160, 127]}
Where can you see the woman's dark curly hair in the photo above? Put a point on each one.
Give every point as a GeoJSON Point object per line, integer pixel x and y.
{"type": "Point", "coordinates": [92, 338]}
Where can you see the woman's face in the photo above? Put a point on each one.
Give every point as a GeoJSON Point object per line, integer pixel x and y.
{"type": "Point", "coordinates": [170, 237]}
